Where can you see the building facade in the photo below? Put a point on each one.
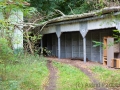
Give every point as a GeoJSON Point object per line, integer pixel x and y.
{"type": "Point", "coordinates": [72, 36]}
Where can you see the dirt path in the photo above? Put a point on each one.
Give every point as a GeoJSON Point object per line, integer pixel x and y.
{"type": "Point", "coordinates": [83, 67]}
{"type": "Point", "coordinates": [52, 76]}
{"type": "Point", "coordinates": [92, 78]}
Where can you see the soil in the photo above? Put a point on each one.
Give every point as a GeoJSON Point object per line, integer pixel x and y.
{"type": "Point", "coordinates": [52, 76]}
{"type": "Point", "coordinates": [84, 67]}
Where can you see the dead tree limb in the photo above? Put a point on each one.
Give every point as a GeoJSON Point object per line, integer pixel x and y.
{"type": "Point", "coordinates": [59, 12]}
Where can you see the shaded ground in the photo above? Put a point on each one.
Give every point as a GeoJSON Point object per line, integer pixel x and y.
{"type": "Point", "coordinates": [84, 68]}
{"type": "Point", "coordinates": [52, 76]}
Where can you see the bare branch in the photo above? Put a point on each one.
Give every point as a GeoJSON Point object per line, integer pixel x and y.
{"type": "Point", "coordinates": [71, 9]}
{"type": "Point", "coordinates": [43, 26]}
{"type": "Point", "coordinates": [59, 12]}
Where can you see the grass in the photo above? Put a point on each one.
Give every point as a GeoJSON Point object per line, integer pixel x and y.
{"type": "Point", "coordinates": [27, 73]}
{"type": "Point", "coordinates": [70, 78]}
{"type": "Point", "coordinates": [109, 77]}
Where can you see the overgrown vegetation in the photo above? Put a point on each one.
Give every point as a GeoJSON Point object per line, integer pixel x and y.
{"type": "Point", "coordinates": [71, 78]}
{"type": "Point", "coordinates": [106, 76]}
{"type": "Point", "coordinates": [28, 72]}
{"type": "Point", "coordinates": [12, 24]}
{"type": "Point", "coordinates": [69, 7]}
{"type": "Point", "coordinates": [18, 71]}
{"type": "Point", "coordinates": [6, 53]}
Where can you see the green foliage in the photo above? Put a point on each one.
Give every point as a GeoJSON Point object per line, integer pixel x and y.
{"type": "Point", "coordinates": [70, 6]}
{"type": "Point", "coordinates": [34, 38]}
{"type": "Point", "coordinates": [29, 11]}
{"type": "Point", "coordinates": [30, 72]}
{"type": "Point", "coordinates": [46, 51]}
{"type": "Point", "coordinates": [11, 12]}
{"type": "Point", "coordinates": [96, 43]}
{"type": "Point", "coordinates": [6, 53]}
{"type": "Point", "coordinates": [42, 5]}
{"type": "Point", "coordinates": [116, 34]}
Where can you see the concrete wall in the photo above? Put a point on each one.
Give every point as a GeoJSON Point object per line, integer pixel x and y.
{"type": "Point", "coordinates": [47, 30]}
{"type": "Point", "coordinates": [63, 46]}
{"type": "Point", "coordinates": [70, 27]}
{"type": "Point", "coordinates": [101, 23]}
{"type": "Point", "coordinates": [72, 44]}
{"type": "Point", "coordinates": [107, 22]}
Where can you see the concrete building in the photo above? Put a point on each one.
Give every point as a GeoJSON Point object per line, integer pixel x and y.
{"type": "Point", "coordinates": [71, 36]}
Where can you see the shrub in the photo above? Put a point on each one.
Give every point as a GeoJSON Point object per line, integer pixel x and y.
{"type": "Point", "coordinates": [6, 53]}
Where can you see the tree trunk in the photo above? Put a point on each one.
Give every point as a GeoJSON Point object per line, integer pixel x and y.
{"type": "Point", "coordinates": [29, 43]}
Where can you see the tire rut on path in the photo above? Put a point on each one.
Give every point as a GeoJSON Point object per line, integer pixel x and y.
{"type": "Point", "coordinates": [91, 76]}
{"type": "Point", "coordinates": [94, 80]}
{"type": "Point", "coordinates": [52, 76]}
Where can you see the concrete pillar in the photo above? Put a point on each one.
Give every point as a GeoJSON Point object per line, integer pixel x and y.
{"type": "Point", "coordinates": [58, 32]}
{"type": "Point", "coordinates": [84, 49]}
{"type": "Point", "coordinates": [59, 48]}
{"type": "Point", "coordinates": [17, 39]}
{"type": "Point", "coordinates": [84, 31]}
{"type": "Point", "coordinates": [41, 41]}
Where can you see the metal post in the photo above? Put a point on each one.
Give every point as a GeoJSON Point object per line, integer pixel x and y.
{"type": "Point", "coordinates": [84, 49]}
{"type": "Point", "coordinates": [58, 47]}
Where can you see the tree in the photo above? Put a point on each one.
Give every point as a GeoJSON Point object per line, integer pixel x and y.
{"type": "Point", "coordinates": [48, 7]}
{"type": "Point", "coordinates": [11, 21]}
{"type": "Point", "coordinates": [11, 10]}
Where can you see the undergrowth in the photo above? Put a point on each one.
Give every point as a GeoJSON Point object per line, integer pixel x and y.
{"type": "Point", "coordinates": [27, 72]}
